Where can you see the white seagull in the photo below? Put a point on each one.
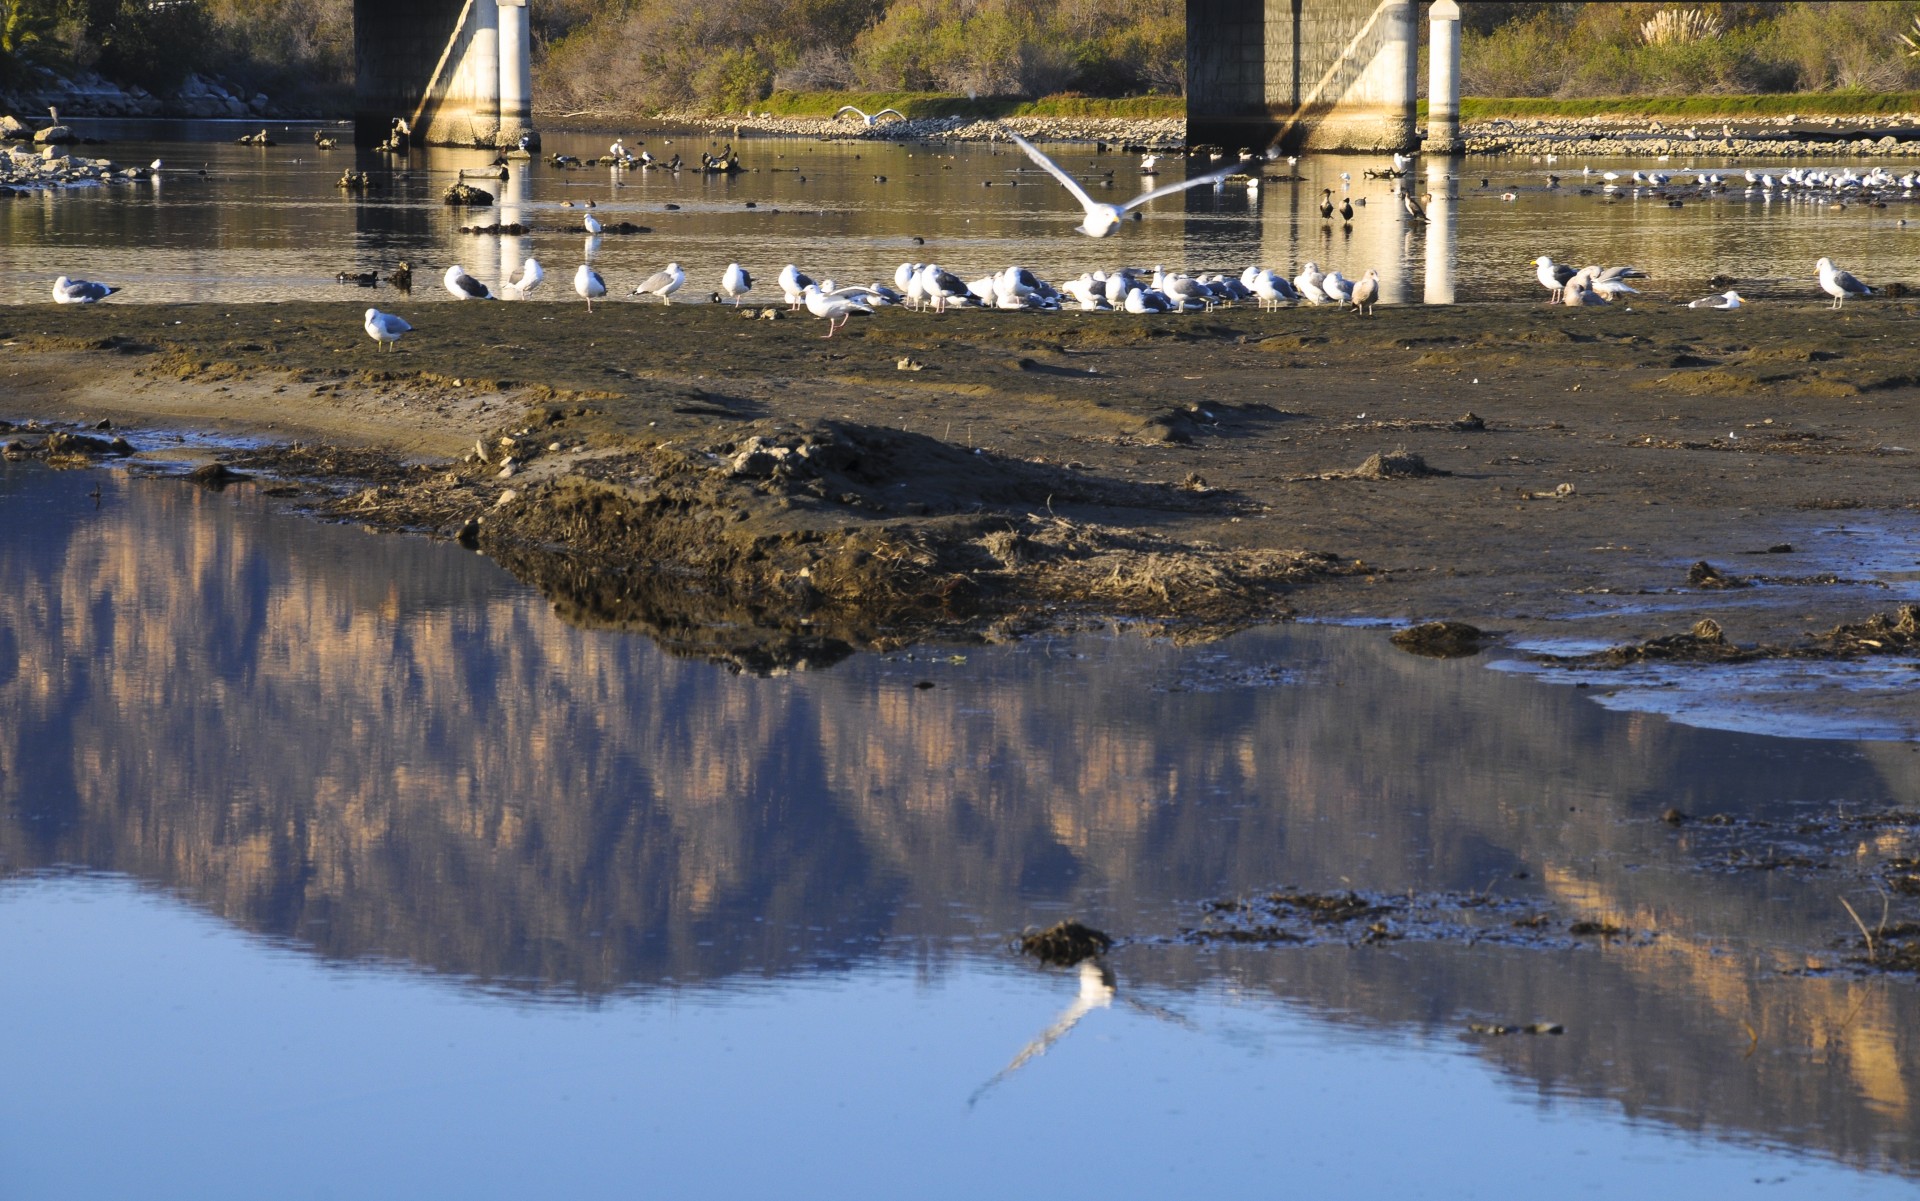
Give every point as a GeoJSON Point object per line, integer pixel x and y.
{"type": "Point", "coordinates": [1839, 284]}
{"type": "Point", "coordinates": [1103, 219]}
{"type": "Point", "coordinates": [385, 327]}
{"type": "Point", "coordinates": [592, 223]}
{"type": "Point", "coordinates": [848, 108]}
{"type": "Point", "coordinates": [663, 283]}
{"type": "Point", "coordinates": [464, 286]}
{"type": "Point", "coordinates": [1366, 290]}
{"type": "Point", "coordinates": [793, 282]}
{"type": "Point", "coordinates": [1552, 276]}
{"type": "Point", "coordinates": [736, 282]}
{"type": "Point", "coordinates": [530, 278]}
{"type": "Point", "coordinates": [588, 283]}
{"type": "Point", "coordinates": [836, 309]}
{"type": "Point", "coordinates": [79, 291]}
{"type": "Point", "coordinates": [1726, 300]}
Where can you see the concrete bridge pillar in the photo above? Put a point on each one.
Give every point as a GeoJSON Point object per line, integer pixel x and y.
{"type": "Point", "coordinates": [1443, 78]}
{"type": "Point", "coordinates": [516, 75]}
{"type": "Point", "coordinates": [457, 71]}
{"type": "Point", "coordinates": [1364, 97]}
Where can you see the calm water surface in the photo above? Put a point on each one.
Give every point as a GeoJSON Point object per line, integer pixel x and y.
{"type": "Point", "coordinates": [269, 224]}
{"type": "Point", "coordinates": [334, 865]}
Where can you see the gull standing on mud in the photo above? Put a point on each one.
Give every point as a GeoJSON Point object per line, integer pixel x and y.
{"type": "Point", "coordinates": [588, 283]}
{"type": "Point", "coordinates": [662, 283]}
{"type": "Point", "coordinates": [530, 277]}
{"type": "Point", "coordinates": [834, 308]}
{"type": "Point", "coordinates": [85, 291]}
{"type": "Point", "coordinates": [736, 282]}
{"type": "Point", "coordinates": [464, 286]}
{"type": "Point", "coordinates": [1839, 284]}
{"type": "Point", "coordinates": [1366, 290]}
{"type": "Point", "coordinates": [385, 327]}
{"type": "Point", "coordinates": [1103, 219]}
{"type": "Point", "coordinates": [1552, 276]}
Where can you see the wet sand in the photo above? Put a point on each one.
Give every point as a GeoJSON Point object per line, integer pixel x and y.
{"type": "Point", "coordinates": [743, 487]}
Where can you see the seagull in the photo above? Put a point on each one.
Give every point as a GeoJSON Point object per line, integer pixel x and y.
{"type": "Point", "coordinates": [530, 277]}
{"type": "Point", "coordinates": [1552, 276]}
{"type": "Point", "coordinates": [836, 309]}
{"type": "Point", "coordinates": [1307, 283]}
{"type": "Point", "coordinates": [793, 282]}
{"type": "Point", "coordinates": [1839, 284]}
{"type": "Point", "coordinates": [464, 286]}
{"type": "Point", "coordinates": [940, 285]}
{"type": "Point", "coordinates": [155, 166]}
{"type": "Point", "coordinates": [593, 224]}
{"type": "Point", "coordinates": [1575, 294]}
{"type": "Point", "coordinates": [1337, 287]}
{"type": "Point", "coordinates": [79, 291]}
{"type": "Point", "coordinates": [1726, 300]}
{"type": "Point", "coordinates": [848, 108]}
{"type": "Point", "coordinates": [1366, 290]}
{"type": "Point", "coordinates": [385, 327]}
{"type": "Point", "coordinates": [663, 283]}
{"type": "Point", "coordinates": [1611, 281]}
{"type": "Point", "coordinates": [588, 283]}
{"type": "Point", "coordinates": [1149, 164]}
{"type": "Point", "coordinates": [1103, 219]}
{"type": "Point", "coordinates": [736, 282]}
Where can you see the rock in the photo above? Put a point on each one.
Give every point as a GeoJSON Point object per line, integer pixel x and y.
{"type": "Point", "coordinates": [216, 476]}
{"type": "Point", "coordinates": [1065, 944]}
{"type": "Point", "coordinates": [470, 197]}
{"type": "Point", "coordinates": [13, 127]}
{"type": "Point", "coordinates": [1440, 639]}
{"type": "Point", "coordinates": [54, 135]}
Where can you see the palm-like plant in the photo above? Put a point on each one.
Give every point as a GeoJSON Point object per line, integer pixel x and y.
{"type": "Point", "coordinates": [1911, 39]}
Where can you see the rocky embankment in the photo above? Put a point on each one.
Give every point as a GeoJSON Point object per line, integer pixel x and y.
{"type": "Point", "coordinates": [89, 95]}
{"type": "Point", "coordinates": [1158, 133]}
{"type": "Point", "coordinates": [1616, 136]}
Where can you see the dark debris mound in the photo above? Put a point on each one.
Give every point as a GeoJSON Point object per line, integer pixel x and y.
{"type": "Point", "coordinates": [1065, 944]}
{"type": "Point", "coordinates": [1440, 639]}
{"type": "Point", "coordinates": [1705, 575]}
{"type": "Point", "coordinates": [466, 196]}
{"type": "Point", "coordinates": [1878, 635]}
{"type": "Point", "coordinates": [1395, 465]}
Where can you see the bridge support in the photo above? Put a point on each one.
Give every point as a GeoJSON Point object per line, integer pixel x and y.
{"type": "Point", "coordinates": [1306, 74]}
{"type": "Point", "coordinates": [1443, 78]}
{"type": "Point", "coordinates": [459, 72]}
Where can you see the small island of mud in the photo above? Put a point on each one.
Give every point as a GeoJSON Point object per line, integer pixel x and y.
{"type": "Point", "coordinates": [736, 485]}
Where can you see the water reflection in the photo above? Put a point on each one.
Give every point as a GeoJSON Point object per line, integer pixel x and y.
{"type": "Point", "coordinates": [382, 749]}
{"type": "Point", "coordinates": [240, 223]}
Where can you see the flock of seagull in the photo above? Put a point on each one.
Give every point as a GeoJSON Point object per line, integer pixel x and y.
{"type": "Point", "coordinates": [928, 285]}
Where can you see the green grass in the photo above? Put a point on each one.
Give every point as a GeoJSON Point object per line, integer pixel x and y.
{"type": "Point", "coordinates": [1838, 104]}
{"type": "Point", "coordinates": [944, 104]}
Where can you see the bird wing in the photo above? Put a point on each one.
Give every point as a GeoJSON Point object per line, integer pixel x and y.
{"type": "Point", "coordinates": [1053, 169]}
{"type": "Point", "coordinates": [1848, 283]}
{"type": "Point", "coordinates": [471, 286]}
{"type": "Point", "coordinates": [883, 112]}
{"type": "Point", "coordinates": [655, 282]}
{"type": "Point", "coordinates": [1217, 173]}
{"type": "Point", "coordinates": [848, 108]}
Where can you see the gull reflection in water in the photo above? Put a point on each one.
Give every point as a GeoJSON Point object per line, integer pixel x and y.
{"type": "Point", "coordinates": [1098, 990]}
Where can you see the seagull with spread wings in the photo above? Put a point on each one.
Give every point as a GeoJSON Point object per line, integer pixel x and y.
{"type": "Point", "coordinates": [1103, 219]}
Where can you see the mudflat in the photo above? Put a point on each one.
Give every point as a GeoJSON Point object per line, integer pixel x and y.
{"type": "Point", "coordinates": [736, 484]}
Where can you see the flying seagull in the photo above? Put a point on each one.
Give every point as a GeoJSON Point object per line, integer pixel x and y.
{"type": "Point", "coordinates": [1103, 219]}
{"type": "Point", "coordinates": [848, 108]}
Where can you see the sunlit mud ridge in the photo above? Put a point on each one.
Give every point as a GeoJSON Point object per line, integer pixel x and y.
{"type": "Point", "coordinates": [1707, 643]}
{"type": "Point", "coordinates": [790, 544]}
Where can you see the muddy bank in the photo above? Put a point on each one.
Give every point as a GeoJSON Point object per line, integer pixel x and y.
{"type": "Point", "coordinates": [746, 489]}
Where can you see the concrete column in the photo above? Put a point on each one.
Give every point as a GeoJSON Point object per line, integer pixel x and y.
{"type": "Point", "coordinates": [516, 73]}
{"type": "Point", "coordinates": [1443, 78]}
{"type": "Point", "coordinates": [1358, 85]}
{"type": "Point", "coordinates": [482, 67]}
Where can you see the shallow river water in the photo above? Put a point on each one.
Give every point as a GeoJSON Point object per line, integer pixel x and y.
{"type": "Point", "coordinates": [335, 865]}
{"type": "Point", "coordinates": [267, 224]}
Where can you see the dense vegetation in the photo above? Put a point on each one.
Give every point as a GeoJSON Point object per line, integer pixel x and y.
{"type": "Point", "coordinates": [625, 56]}
{"type": "Point", "coordinates": [1582, 50]}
